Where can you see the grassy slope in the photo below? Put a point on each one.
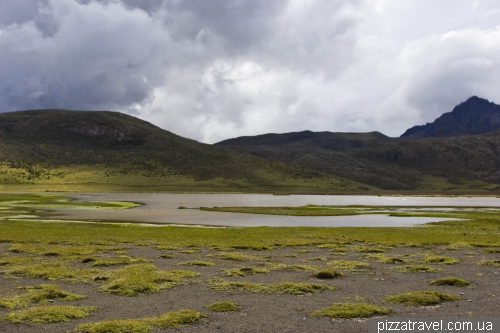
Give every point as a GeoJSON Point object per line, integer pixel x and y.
{"type": "Point", "coordinates": [110, 151]}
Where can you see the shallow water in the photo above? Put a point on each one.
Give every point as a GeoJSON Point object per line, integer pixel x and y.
{"type": "Point", "coordinates": [163, 208]}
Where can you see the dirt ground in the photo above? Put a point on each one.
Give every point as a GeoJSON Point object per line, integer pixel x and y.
{"type": "Point", "coordinates": [279, 313]}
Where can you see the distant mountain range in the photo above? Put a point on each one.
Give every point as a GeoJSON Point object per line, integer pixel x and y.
{"type": "Point", "coordinates": [441, 155]}
{"type": "Point", "coordinates": [111, 151]}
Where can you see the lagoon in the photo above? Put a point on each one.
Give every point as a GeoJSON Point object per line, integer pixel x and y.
{"type": "Point", "coordinates": [163, 208]}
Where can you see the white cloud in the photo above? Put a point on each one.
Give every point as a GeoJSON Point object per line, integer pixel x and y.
{"type": "Point", "coordinates": [211, 70]}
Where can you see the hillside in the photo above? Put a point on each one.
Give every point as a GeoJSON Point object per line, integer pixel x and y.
{"type": "Point", "coordinates": [474, 116]}
{"type": "Point", "coordinates": [447, 160]}
{"type": "Point", "coordinates": [86, 150]}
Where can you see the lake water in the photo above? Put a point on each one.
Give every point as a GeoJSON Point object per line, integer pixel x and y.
{"type": "Point", "coordinates": [163, 208]}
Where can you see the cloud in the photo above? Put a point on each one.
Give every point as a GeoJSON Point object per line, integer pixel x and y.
{"type": "Point", "coordinates": [210, 70]}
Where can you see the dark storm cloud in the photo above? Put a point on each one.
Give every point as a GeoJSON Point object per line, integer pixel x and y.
{"type": "Point", "coordinates": [214, 69]}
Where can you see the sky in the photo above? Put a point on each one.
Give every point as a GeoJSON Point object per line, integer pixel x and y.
{"type": "Point", "coordinates": [211, 70]}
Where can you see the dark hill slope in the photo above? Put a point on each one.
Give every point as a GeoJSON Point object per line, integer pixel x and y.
{"type": "Point", "coordinates": [474, 116]}
{"type": "Point", "coordinates": [308, 139]}
{"type": "Point", "coordinates": [58, 138]}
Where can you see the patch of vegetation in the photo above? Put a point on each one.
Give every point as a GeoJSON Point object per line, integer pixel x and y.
{"type": "Point", "coordinates": [352, 310]}
{"type": "Point", "coordinates": [387, 259]}
{"type": "Point", "coordinates": [14, 260]}
{"type": "Point", "coordinates": [327, 274]}
{"type": "Point", "coordinates": [63, 251]}
{"type": "Point", "coordinates": [196, 263]}
{"type": "Point", "coordinates": [41, 293]}
{"type": "Point", "coordinates": [52, 271]}
{"type": "Point", "coordinates": [486, 262]}
{"type": "Point", "coordinates": [491, 250]}
{"type": "Point", "coordinates": [244, 271]}
{"type": "Point", "coordinates": [50, 314]}
{"type": "Point", "coordinates": [223, 306]}
{"type": "Point", "coordinates": [191, 251]}
{"type": "Point", "coordinates": [368, 249]}
{"type": "Point", "coordinates": [441, 260]}
{"type": "Point", "coordinates": [291, 255]}
{"type": "Point", "coordinates": [121, 260]}
{"type": "Point", "coordinates": [333, 247]}
{"type": "Point", "coordinates": [173, 319]}
{"type": "Point", "coordinates": [417, 269]}
{"type": "Point", "coordinates": [293, 268]}
{"type": "Point", "coordinates": [292, 288]}
{"type": "Point", "coordinates": [422, 297]}
{"type": "Point", "coordinates": [348, 264]}
{"type": "Point", "coordinates": [450, 281]}
{"type": "Point", "coordinates": [142, 278]}
{"type": "Point", "coordinates": [237, 256]}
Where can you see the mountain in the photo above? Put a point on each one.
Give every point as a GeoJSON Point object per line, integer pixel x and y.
{"type": "Point", "coordinates": [474, 116]}
{"type": "Point", "coordinates": [102, 150]}
{"type": "Point", "coordinates": [447, 159]}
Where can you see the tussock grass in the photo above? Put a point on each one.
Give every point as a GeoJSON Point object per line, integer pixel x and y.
{"type": "Point", "coordinates": [15, 260]}
{"type": "Point", "coordinates": [441, 260]}
{"type": "Point", "coordinates": [387, 259]}
{"type": "Point", "coordinates": [121, 260]}
{"type": "Point", "coordinates": [50, 314]}
{"type": "Point", "coordinates": [367, 249]}
{"type": "Point", "coordinates": [422, 297]}
{"type": "Point", "coordinates": [327, 274]}
{"type": "Point", "coordinates": [417, 269]}
{"type": "Point", "coordinates": [237, 256]}
{"type": "Point", "coordinates": [223, 306]}
{"type": "Point", "coordinates": [450, 281]}
{"type": "Point", "coordinates": [491, 250]}
{"type": "Point", "coordinates": [351, 310]}
{"type": "Point", "coordinates": [191, 251]}
{"type": "Point", "coordinates": [244, 271]}
{"type": "Point", "coordinates": [173, 319]}
{"type": "Point", "coordinates": [293, 268]}
{"type": "Point", "coordinates": [292, 288]}
{"type": "Point", "coordinates": [195, 263]}
{"type": "Point", "coordinates": [38, 294]}
{"type": "Point", "coordinates": [486, 262]}
{"type": "Point", "coordinates": [63, 251]}
{"type": "Point", "coordinates": [52, 271]}
{"type": "Point", "coordinates": [349, 264]}
{"type": "Point", "coordinates": [333, 247]}
{"type": "Point", "coordinates": [142, 278]}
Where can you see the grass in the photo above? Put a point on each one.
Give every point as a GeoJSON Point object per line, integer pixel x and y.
{"type": "Point", "coordinates": [422, 298]}
{"type": "Point", "coordinates": [50, 314]}
{"type": "Point", "coordinates": [195, 263]}
{"type": "Point", "coordinates": [293, 268]}
{"type": "Point", "coordinates": [223, 306]}
{"type": "Point", "coordinates": [244, 271]}
{"type": "Point", "coordinates": [491, 250]}
{"type": "Point", "coordinates": [173, 319]}
{"type": "Point", "coordinates": [52, 271]}
{"type": "Point", "coordinates": [486, 262]}
{"type": "Point", "coordinates": [142, 278]}
{"type": "Point", "coordinates": [351, 310]}
{"type": "Point", "coordinates": [41, 293]}
{"type": "Point", "coordinates": [441, 260]}
{"type": "Point", "coordinates": [327, 274]}
{"type": "Point", "coordinates": [292, 288]}
{"type": "Point", "coordinates": [417, 269]}
{"type": "Point", "coordinates": [450, 281]}
{"type": "Point", "coordinates": [121, 260]}
{"type": "Point", "coordinates": [237, 256]}
{"type": "Point", "coordinates": [387, 259]}
{"type": "Point", "coordinates": [348, 264]}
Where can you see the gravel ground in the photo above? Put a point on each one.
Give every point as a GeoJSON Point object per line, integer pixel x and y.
{"type": "Point", "coordinates": [279, 313]}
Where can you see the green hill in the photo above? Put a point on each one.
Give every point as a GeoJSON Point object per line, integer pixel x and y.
{"type": "Point", "coordinates": [111, 151]}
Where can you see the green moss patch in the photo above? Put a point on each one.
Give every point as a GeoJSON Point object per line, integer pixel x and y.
{"type": "Point", "coordinates": [349, 264]}
{"type": "Point", "coordinates": [52, 271]}
{"type": "Point", "coordinates": [485, 262]}
{"type": "Point", "coordinates": [41, 293]}
{"type": "Point", "coordinates": [423, 297]}
{"type": "Point", "coordinates": [196, 263]}
{"type": "Point", "coordinates": [327, 274]}
{"type": "Point", "coordinates": [450, 281]}
{"type": "Point", "coordinates": [292, 288]}
{"type": "Point", "coordinates": [121, 260]}
{"type": "Point", "coordinates": [351, 310]}
{"type": "Point", "coordinates": [417, 269]}
{"type": "Point", "coordinates": [223, 306]}
{"type": "Point", "coordinates": [244, 271]}
{"type": "Point", "coordinates": [50, 314]}
{"type": "Point", "coordinates": [385, 259]}
{"type": "Point", "coordinates": [441, 260]}
{"type": "Point", "coordinates": [142, 278]}
{"type": "Point", "coordinates": [173, 319]}
{"type": "Point", "coordinates": [237, 256]}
